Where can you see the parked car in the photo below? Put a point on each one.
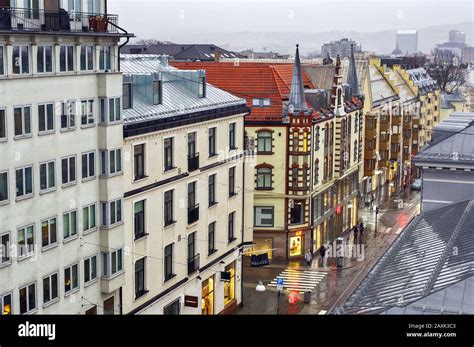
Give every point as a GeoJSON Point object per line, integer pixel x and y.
{"type": "Point", "coordinates": [416, 185]}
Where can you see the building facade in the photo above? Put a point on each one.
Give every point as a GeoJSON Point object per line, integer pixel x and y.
{"type": "Point", "coordinates": [61, 185]}
{"type": "Point", "coordinates": [407, 41]}
{"type": "Point", "coordinates": [341, 48]}
{"type": "Point", "coordinates": [185, 191]}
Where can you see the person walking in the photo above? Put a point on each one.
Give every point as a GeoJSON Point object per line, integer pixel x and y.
{"type": "Point", "coordinates": [355, 231]}
{"type": "Point", "coordinates": [322, 253]}
{"type": "Point", "coordinates": [361, 231]}
{"type": "Point", "coordinates": [308, 257]}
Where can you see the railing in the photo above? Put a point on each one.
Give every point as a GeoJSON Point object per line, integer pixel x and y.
{"type": "Point", "coordinates": [193, 214]}
{"type": "Point", "coordinates": [21, 19]}
{"type": "Point", "coordinates": [193, 162]}
{"type": "Point", "coordinates": [193, 264]}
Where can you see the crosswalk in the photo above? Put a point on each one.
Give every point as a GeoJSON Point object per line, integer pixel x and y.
{"type": "Point", "coordinates": [299, 280]}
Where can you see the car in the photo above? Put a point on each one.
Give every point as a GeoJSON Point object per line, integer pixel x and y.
{"type": "Point", "coordinates": [416, 185]}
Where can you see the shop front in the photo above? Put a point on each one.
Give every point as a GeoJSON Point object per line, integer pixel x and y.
{"type": "Point", "coordinates": [208, 296]}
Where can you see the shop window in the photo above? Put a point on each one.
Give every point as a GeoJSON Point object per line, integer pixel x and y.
{"type": "Point", "coordinates": [229, 286]}
{"type": "Point", "coordinates": [208, 296]}
{"type": "Point", "coordinates": [296, 247]}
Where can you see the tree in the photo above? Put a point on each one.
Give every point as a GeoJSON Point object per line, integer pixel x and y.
{"type": "Point", "coordinates": [148, 42]}
{"type": "Point", "coordinates": [446, 70]}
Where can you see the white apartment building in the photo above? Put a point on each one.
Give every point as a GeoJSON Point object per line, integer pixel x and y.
{"type": "Point", "coordinates": [61, 170]}
{"type": "Point", "coordinates": [187, 182]}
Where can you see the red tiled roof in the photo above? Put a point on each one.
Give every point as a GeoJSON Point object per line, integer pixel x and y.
{"type": "Point", "coordinates": [249, 81]}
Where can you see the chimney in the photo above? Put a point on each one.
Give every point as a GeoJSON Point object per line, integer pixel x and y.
{"type": "Point", "coordinates": [217, 56]}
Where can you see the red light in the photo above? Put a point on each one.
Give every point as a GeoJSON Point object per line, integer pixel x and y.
{"type": "Point", "coordinates": [338, 209]}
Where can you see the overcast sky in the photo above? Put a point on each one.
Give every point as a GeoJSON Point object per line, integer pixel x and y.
{"type": "Point", "coordinates": [172, 20]}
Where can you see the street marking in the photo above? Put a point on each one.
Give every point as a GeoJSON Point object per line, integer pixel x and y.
{"type": "Point", "coordinates": [299, 280]}
{"type": "Point", "coordinates": [399, 231]}
{"type": "Point", "coordinates": [322, 312]}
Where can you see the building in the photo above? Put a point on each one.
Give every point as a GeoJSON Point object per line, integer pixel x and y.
{"type": "Point", "coordinates": [467, 55]}
{"type": "Point", "coordinates": [251, 54]}
{"type": "Point", "coordinates": [183, 52]}
{"type": "Point", "coordinates": [186, 184]}
{"type": "Point", "coordinates": [407, 41]}
{"type": "Point", "coordinates": [451, 103]}
{"type": "Point", "coordinates": [61, 182]}
{"type": "Point", "coordinates": [341, 48]}
{"type": "Point", "coordinates": [457, 36]}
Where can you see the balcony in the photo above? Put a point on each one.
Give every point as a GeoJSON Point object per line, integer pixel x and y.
{"type": "Point", "coordinates": [193, 264]}
{"type": "Point", "coordinates": [61, 21]}
{"type": "Point", "coordinates": [193, 162]}
{"type": "Point", "coordinates": [193, 214]}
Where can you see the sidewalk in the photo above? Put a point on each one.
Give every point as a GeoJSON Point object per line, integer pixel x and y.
{"type": "Point", "coordinates": [339, 282]}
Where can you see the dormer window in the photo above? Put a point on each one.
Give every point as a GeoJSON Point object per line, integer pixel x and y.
{"type": "Point", "coordinates": [157, 92]}
{"type": "Point", "coordinates": [202, 87]}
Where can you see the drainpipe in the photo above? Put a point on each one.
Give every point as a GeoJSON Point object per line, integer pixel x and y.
{"type": "Point", "coordinates": [243, 225]}
{"type": "Point", "coordinates": [121, 46]}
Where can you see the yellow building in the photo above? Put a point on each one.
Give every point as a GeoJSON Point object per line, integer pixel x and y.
{"type": "Point", "coordinates": [451, 103]}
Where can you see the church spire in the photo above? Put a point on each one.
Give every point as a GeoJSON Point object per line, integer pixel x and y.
{"type": "Point", "coordinates": [353, 81]}
{"type": "Point", "coordinates": [297, 103]}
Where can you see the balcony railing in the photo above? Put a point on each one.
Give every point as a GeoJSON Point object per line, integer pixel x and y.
{"type": "Point", "coordinates": [21, 19]}
{"type": "Point", "coordinates": [193, 264]}
{"type": "Point", "coordinates": [193, 162]}
{"type": "Point", "coordinates": [193, 214]}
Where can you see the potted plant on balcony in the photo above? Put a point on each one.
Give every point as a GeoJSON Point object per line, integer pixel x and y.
{"type": "Point", "coordinates": [98, 23]}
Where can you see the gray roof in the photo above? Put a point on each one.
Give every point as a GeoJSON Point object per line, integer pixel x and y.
{"type": "Point", "coordinates": [178, 86]}
{"type": "Point", "coordinates": [454, 97]}
{"type": "Point", "coordinates": [422, 80]}
{"type": "Point", "coordinates": [445, 103]}
{"type": "Point", "coordinates": [435, 252]}
{"type": "Point", "coordinates": [404, 91]}
{"type": "Point", "coordinates": [297, 100]}
{"type": "Point", "coordinates": [352, 80]}
{"type": "Point", "coordinates": [380, 88]}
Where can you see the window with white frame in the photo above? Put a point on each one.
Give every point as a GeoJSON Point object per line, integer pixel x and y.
{"type": "Point", "coordinates": [87, 112]}
{"type": "Point", "coordinates": [47, 176]}
{"type": "Point", "coordinates": [46, 118]}
{"type": "Point", "coordinates": [111, 162]}
{"type": "Point", "coordinates": [71, 278]}
{"type": "Point", "coordinates": [111, 213]}
{"type": "Point", "coordinates": [140, 288]}
{"type": "Point", "coordinates": [231, 227]}
{"type": "Point", "coordinates": [24, 181]}
{"type": "Point", "coordinates": [66, 59]}
{"type": "Point", "coordinates": [44, 59]}
{"type": "Point", "coordinates": [21, 60]}
{"type": "Point", "coordinates": [88, 165]}
{"type": "Point", "coordinates": [49, 232]}
{"type": "Point", "coordinates": [68, 115]}
{"type": "Point", "coordinates": [261, 103]}
{"type": "Point", "coordinates": [69, 225]}
{"type": "Point", "coordinates": [27, 296]}
{"type": "Point", "coordinates": [90, 269]}
{"type": "Point", "coordinates": [3, 124]}
{"type": "Point", "coordinates": [50, 288]}
{"type": "Point", "coordinates": [169, 154]}
{"type": "Point", "coordinates": [139, 221]}
{"type": "Point", "coordinates": [6, 304]}
{"type": "Point", "coordinates": [232, 135]}
{"type": "Point", "coordinates": [4, 191]}
{"type": "Point", "coordinates": [68, 170]}
{"type": "Point", "coordinates": [112, 263]}
{"type": "Point", "coordinates": [22, 116]}
{"type": "Point", "coordinates": [5, 248]}
{"type": "Point", "coordinates": [26, 241]}
{"type": "Point", "coordinates": [264, 216]}
{"type": "Point", "coordinates": [168, 262]}
{"type": "Point", "coordinates": [115, 108]}
{"type": "Point", "coordinates": [87, 58]}
{"type": "Point", "coordinates": [105, 58]}
{"type": "Point", "coordinates": [89, 218]}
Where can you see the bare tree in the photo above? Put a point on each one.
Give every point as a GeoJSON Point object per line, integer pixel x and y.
{"type": "Point", "coordinates": [148, 42]}
{"type": "Point", "coordinates": [446, 70]}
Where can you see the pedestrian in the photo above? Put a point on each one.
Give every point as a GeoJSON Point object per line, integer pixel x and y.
{"type": "Point", "coordinates": [308, 257]}
{"type": "Point", "coordinates": [361, 230]}
{"type": "Point", "coordinates": [322, 253]}
{"type": "Point", "coordinates": [355, 231]}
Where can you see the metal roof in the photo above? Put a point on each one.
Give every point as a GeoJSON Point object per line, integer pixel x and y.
{"type": "Point", "coordinates": [380, 88]}
{"type": "Point", "coordinates": [422, 80]}
{"type": "Point", "coordinates": [434, 252]}
{"type": "Point", "coordinates": [178, 99]}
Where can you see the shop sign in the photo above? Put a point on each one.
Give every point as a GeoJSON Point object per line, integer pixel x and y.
{"type": "Point", "coordinates": [259, 260]}
{"type": "Point", "coordinates": [191, 301]}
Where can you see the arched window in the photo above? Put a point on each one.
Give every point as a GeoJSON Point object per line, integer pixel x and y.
{"type": "Point", "coordinates": [264, 142]}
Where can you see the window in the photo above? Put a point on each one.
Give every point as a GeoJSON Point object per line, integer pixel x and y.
{"type": "Point", "coordinates": [22, 117]}
{"type": "Point", "coordinates": [50, 288]}
{"type": "Point", "coordinates": [264, 178]}
{"type": "Point", "coordinates": [111, 162]}
{"type": "Point", "coordinates": [191, 246]}
{"type": "Point", "coordinates": [192, 145]}
{"type": "Point", "coordinates": [48, 232]}
{"type": "Point", "coordinates": [232, 191]}
{"type": "Point", "coordinates": [87, 58]}
{"type": "Point", "coordinates": [26, 241]}
{"type": "Point", "coordinates": [3, 125]}
{"type": "Point", "coordinates": [211, 238]}
{"type": "Point", "coordinates": [105, 60]}
{"type": "Point", "coordinates": [212, 190]}
{"type": "Point", "coordinates": [115, 110]}
{"type": "Point", "coordinates": [87, 112]}
{"type": "Point", "coordinates": [66, 59]}
{"type": "Point", "coordinates": [168, 262]}
{"type": "Point", "coordinates": [3, 187]}
{"type": "Point", "coordinates": [229, 286]}
{"type": "Point", "coordinates": [112, 263]}
{"type": "Point", "coordinates": [88, 165]}
{"type": "Point", "coordinates": [44, 59]}
{"type": "Point", "coordinates": [264, 142]}
{"type": "Point", "coordinates": [127, 96]}
{"type": "Point", "coordinates": [356, 151]}
{"type": "Point", "coordinates": [21, 60]}
{"type": "Point", "coordinates": [68, 115]}
{"type": "Point", "coordinates": [71, 278]}
{"type": "Point", "coordinates": [139, 161]}
{"type": "Point", "coordinates": [231, 227]}
{"type": "Point", "coordinates": [45, 118]}
{"type": "Point", "coordinates": [317, 139]}
{"type": "Point", "coordinates": [6, 304]}
{"type": "Point", "coordinates": [68, 170]}
{"type": "Point", "coordinates": [232, 135]}
{"type": "Point", "coordinates": [2, 62]}
{"type": "Point", "coordinates": [90, 269]}
{"type": "Point", "coordinates": [261, 103]}
{"type": "Point", "coordinates": [202, 87]}
{"type": "Point", "coordinates": [27, 298]}
{"type": "Point", "coordinates": [157, 92]}
{"type": "Point", "coordinates": [316, 171]}
{"type": "Point", "coordinates": [191, 195]}
{"type": "Point", "coordinates": [172, 309]}
{"type": "Point", "coordinates": [297, 212]}
{"type": "Point", "coordinates": [139, 219]}
{"type": "Point", "coordinates": [168, 147]}
{"type": "Point", "coordinates": [169, 215]}
{"type": "Point", "coordinates": [89, 218]}
{"type": "Point", "coordinates": [5, 248]}
{"type": "Point", "coordinates": [32, 9]}
{"type": "Point", "coordinates": [140, 278]}
{"type": "Point", "coordinates": [264, 216]}
{"type": "Point", "coordinates": [24, 182]}
{"type": "Point", "coordinates": [69, 225]}
{"type": "Point", "coordinates": [111, 213]}
{"type": "Point", "coordinates": [212, 142]}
